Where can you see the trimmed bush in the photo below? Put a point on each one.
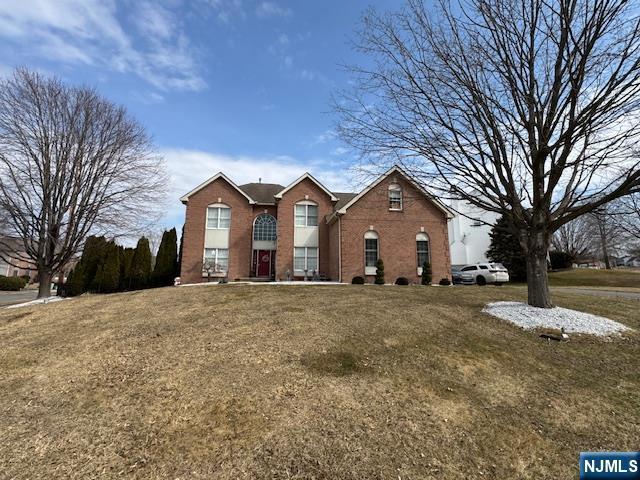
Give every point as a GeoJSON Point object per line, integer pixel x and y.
{"type": "Point", "coordinates": [166, 267]}
{"type": "Point", "coordinates": [12, 284]}
{"type": "Point", "coordinates": [75, 282]}
{"type": "Point", "coordinates": [141, 265]}
{"type": "Point", "coordinates": [505, 248]}
{"type": "Point", "coordinates": [444, 281]}
{"type": "Point", "coordinates": [402, 281]}
{"type": "Point", "coordinates": [426, 274]}
{"type": "Point", "coordinates": [107, 278]}
{"type": "Point", "coordinates": [357, 280]}
{"type": "Point", "coordinates": [379, 272]}
{"type": "Point", "coordinates": [126, 259]}
{"type": "Point", "coordinates": [560, 260]}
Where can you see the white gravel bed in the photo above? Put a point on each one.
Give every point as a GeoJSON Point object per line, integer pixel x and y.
{"type": "Point", "coordinates": [528, 317]}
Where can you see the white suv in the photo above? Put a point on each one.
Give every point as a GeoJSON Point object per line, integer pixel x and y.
{"type": "Point", "coordinates": [480, 273]}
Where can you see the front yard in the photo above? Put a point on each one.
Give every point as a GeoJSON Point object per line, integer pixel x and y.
{"type": "Point", "coordinates": [308, 382]}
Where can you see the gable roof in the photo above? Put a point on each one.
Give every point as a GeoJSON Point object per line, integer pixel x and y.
{"type": "Point", "coordinates": [262, 193]}
{"type": "Point", "coordinates": [396, 169]}
{"type": "Point", "coordinates": [184, 199]}
{"type": "Point", "coordinates": [306, 175]}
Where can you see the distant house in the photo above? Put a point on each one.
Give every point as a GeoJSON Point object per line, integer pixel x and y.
{"type": "Point", "coordinates": [631, 261]}
{"type": "Point", "coordinates": [13, 259]}
{"type": "Point", "coordinates": [304, 230]}
{"type": "Point", "coordinates": [469, 233]}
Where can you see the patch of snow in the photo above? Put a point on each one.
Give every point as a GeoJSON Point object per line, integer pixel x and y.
{"type": "Point", "coordinates": [38, 301]}
{"type": "Point", "coordinates": [528, 317]}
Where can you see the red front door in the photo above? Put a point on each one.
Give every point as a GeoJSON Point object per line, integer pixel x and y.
{"type": "Point", "coordinates": [264, 263]}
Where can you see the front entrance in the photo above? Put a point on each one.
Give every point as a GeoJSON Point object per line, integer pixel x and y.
{"type": "Point", "coordinates": [263, 263]}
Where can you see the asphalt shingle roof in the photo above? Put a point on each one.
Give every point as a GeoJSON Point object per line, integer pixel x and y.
{"type": "Point", "coordinates": [265, 192]}
{"type": "Point", "coordinates": [343, 199]}
{"type": "Point", "coordinates": [261, 192]}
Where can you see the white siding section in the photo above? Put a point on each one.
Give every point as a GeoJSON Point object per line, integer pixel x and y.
{"type": "Point", "coordinates": [216, 238]}
{"type": "Point", "coordinates": [469, 243]}
{"type": "Point", "coordinates": [305, 237]}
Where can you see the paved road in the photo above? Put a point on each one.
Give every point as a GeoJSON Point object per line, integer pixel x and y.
{"type": "Point", "coordinates": [11, 298]}
{"type": "Point", "coordinates": [599, 292]}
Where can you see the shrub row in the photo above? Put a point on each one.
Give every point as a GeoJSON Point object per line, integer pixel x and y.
{"type": "Point", "coordinates": [358, 280]}
{"type": "Point", "coordinates": [12, 284]}
{"type": "Point", "coordinates": [106, 267]}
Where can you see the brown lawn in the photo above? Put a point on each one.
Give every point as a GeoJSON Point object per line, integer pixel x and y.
{"type": "Point", "coordinates": [308, 382]}
{"type": "Point", "coordinates": [579, 277]}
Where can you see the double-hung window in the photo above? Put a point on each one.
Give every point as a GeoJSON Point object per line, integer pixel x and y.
{"type": "Point", "coordinates": [395, 197]}
{"type": "Point", "coordinates": [305, 258]}
{"type": "Point", "coordinates": [216, 260]}
{"type": "Point", "coordinates": [218, 217]}
{"type": "Point", "coordinates": [306, 215]}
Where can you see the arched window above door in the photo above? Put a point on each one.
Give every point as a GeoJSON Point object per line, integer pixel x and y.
{"type": "Point", "coordinates": [264, 228]}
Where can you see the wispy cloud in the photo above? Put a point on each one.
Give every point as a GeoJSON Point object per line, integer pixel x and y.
{"type": "Point", "coordinates": [90, 32]}
{"type": "Point", "coordinates": [271, 9]}
{"type": "Point", "coordinates": [189, 168]}
{"type": "Point", "coordinates": [227, 9]}
{"type": "Point", "coordinates": [280, 48]}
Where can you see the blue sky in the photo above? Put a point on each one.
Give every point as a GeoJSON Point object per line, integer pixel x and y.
{"type": "Point", "coordinates": [242, 86]}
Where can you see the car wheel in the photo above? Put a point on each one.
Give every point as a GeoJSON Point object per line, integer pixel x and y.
{"type": "Point", "coordinates": [480, 280]}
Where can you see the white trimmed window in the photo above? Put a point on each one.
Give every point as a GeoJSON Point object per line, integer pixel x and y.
{"type": "Point", "coordinates": [305, 258]}
{"type": "Point", "coordinates": [306, 214]}
{"type": "Point", "coordinates": [218, 216]}
{"type": "Point", "coordinates": [422, 249]}
{"type": "Point", "coordinates": [395, 197]}
{"type": "Point", "coordinates": [216, 260]}
{"type": "Point", "coordinates": [371, 252]}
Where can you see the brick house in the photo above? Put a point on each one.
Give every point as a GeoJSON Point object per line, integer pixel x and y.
{"type": "Point", "coordinates": [268, 231]}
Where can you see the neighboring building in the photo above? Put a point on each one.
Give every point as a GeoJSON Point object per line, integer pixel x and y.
{"type": "Point", "coordinates": [469, 232]}
{"type": "Point", "coordinates": [631, 261]}
{"type": "Point", "coordinates": [268, 231]}
{"type": "Point", "coordinates": [13, 259]}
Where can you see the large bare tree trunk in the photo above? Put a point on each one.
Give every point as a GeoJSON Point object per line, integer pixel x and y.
{"type": "Point", "coordinates": [537, 278]}
{"type": "Point", "coordinates": [44, 280]}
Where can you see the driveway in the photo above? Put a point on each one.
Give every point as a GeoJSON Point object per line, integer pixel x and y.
{"type": "Point", "coordinates": [600, 292]}
{"type": "Point", "coordinates": [11, 298]}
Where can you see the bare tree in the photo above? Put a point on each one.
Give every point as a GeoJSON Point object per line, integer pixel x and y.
{"type": "Point", "coordinates": [71, 163]}
{"type": "Point", "coordinates": [627, 216]}
{"type": "Point", "coordinates": [608, 237]}
{"type": "Point", "coordinates": [574, 237]}
{"type": "Point", "coordinates": [534, 103]}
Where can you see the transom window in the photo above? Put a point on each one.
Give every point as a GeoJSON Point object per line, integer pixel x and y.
{"type": "Point", "coordinates": [218, 216]}
{"type": "Point", "coordinates": [306, 214]}
{"type": "Point", "coordinates": [371, 253]}
{"type": "Point", "coordinates": [422, 248]}
{"type": "Point", "coordinates": [264, 228]}
{"type": "Point", "coordinates": [395, 197]}
{"type": "Point", "coordinates": [305, 258]}
{"type": "Point", "coordinates": [215, 260]}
